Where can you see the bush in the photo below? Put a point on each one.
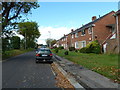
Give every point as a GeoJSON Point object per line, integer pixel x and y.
{"type": "Point", "coordinates": [76, 50]}
{"type": "Point", "coordinates": [71, 48]}
{"type": "Point", "coordinates": [66, 52]}
{"type": "Point", "coordinates": [56, 50]}
{"type": "Point", "coordinates": [83, 50]}
{"type": "Point", "coordinates": [61, 47]}
{"type": "Point", "coordinates": [92, 47]}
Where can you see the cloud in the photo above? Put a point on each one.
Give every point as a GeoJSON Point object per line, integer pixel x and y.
{"type": "Point", "coordinates": [19, 35]}
{"type": "Point", "coordinates": [52, 32]}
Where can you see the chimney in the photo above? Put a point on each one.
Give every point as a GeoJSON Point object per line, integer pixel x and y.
{"type": "Point", "coordinates": [71, 30]}
{"type": "Point", "coordinates": [93, 18]}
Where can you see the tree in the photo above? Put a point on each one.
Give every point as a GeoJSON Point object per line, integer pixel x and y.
{"type": "Point", "coordinates": [53, 42]}
{"type": "Point", "coordinates": [15, 42]}
{"type": "Point", "coordinates": [5, 44]}
{"type": "Point", "coordinates": [30, 31]}
{"type": "Point", "coordinates": [50, 42]}
{"type": "Point", "coordinates": [13, 11]}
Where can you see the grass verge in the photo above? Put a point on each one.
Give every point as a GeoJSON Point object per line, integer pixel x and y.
{"type": "Point", "coordinates": [11, 53]}
{"type": "Point", "coordinates": [104, 64]}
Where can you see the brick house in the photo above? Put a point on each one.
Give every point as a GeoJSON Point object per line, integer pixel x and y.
{"type": "Point", "coordinates": [62, 42]}
{"type": "Point", "coordinates": [98, 29]}
{"type": "Point", "coordinates": [113, 43]}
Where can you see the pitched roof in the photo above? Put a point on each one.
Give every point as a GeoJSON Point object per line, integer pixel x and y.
{"type": "Point", "coordinates": [90, 23]}
{"type": "Point", "coordinates": [87, 25]}
{"type": "Point", "coordinates": [118, 12]}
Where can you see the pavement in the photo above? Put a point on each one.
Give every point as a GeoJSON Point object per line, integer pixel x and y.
{"type": "Point", "coordinates": [85, 77]}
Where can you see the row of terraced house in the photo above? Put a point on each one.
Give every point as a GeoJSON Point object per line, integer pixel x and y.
{"type": "Point", "coordinates": [105, 29]}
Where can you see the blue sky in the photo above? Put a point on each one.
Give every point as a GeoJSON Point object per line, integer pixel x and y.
{"type": "Point", "coordinates": [70, 14]}
{"type": "Point", "coordinates": [67, 15]}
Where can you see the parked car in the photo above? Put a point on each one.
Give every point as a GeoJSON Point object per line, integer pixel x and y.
{"type": "Point", "coordinates": [43, 55]}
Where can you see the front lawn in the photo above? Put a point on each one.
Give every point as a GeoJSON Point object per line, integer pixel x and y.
{"type": "Point", "coordinates": [105, 64]}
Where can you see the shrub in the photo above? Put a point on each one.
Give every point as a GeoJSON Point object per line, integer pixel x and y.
{"type": "Point", "coordinates": [66, 52]}
{"type": "Point", "coordinates": [71, 48]}
{"type": "Point", "coordinates": [61, 47]}
{"type": "Point", "coordinates": [56, 50]}
{"type": "Point", "coordinates": [83, 50]}
{"type": "Point", "coordinates": [76, 50]}
{"type": "Point", "coordinates": [92, 47]}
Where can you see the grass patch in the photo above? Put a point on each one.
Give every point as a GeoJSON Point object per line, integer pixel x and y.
{"type": "Point", "coordinates": [11, 53]}
{"type": "Point", "coordinates": [104, 64]}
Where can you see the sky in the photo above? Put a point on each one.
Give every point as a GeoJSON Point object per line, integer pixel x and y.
{"type": "Point", "coordinates": [58, 18]}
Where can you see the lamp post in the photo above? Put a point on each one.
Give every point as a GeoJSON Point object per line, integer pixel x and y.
{"type": "Point", "coordinates": [25, 39]}
{"type": "Point", "coordinates": [49, 38]}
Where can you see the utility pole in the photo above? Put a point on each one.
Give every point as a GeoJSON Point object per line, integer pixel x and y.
{"type": "Point", "coordinates": [49, 38]}
{"type": "Point", "coordinates": [25, 39]}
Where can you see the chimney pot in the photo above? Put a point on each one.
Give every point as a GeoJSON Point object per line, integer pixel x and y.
{"type": "Point", "coordinates": [71, 30]}
{"type": "Point", "coordinates": [93, 18]}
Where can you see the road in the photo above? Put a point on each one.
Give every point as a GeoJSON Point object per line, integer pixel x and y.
{"type": "Point", "coordinates": [22, 72]}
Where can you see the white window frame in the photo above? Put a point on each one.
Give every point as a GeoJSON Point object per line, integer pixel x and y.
{"type": "Point", "coordinates": [90, 30]}
{"type": "Point", "coordinates": [76, 35]}
{"type": "Point", "coordinates": [72, 35]}
{"type": "Point", "coordinates": [84, 43]}
{"type": "Point", "coordinates": [76, 45]}
{"type": "Point", "coordinates": [81, 32]}
{"type": "Point", "coordinates": [64, 39]}
{"type": "Point", "coordinates": [64, 45]}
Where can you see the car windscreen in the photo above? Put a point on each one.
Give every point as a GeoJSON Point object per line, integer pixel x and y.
{"type": "Point", "coordinates": [44, 51]}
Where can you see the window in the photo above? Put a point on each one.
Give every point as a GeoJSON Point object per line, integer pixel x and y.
{"type": "Point", "coordinates": [82, 32]}
{"type": "Point", "coordinates": [72, 35]}
{"type": "Point", "coordinates": [90, 30]}
{"type": "Point", "coordinates": [44, 51]}
{"type": "Point", "coordinates": [64, 45]}
{"type": "Point", "coordinates": [76, 45]}
{"type": "Point", "coordinates": [64, 39]}
{"type": "Point", "coordinates": [83, 43]}
{"type": "Point", "coordinates": [113, 30]}
{"type": "Point", "coordinates": [76, 34]}
{"type": "Point", "coordinates": [90, 41]}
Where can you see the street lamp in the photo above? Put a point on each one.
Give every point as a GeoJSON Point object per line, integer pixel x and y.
{"type": "Point", "coordinates": [49, 38]}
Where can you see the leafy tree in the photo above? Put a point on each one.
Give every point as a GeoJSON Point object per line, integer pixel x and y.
{"type": "Point", "coordinates": [30, 31]}
{"type": "Point", "coordinates": [5, 44]}
{"type": "Point", "coordinates": [53, 42]}
{"type": "Point", "coordinates": [50, 42]}
{"type": "Point", "coordinates": [15, 42]}
{"type": "Point", "coordinates": [12, 12]}
{"type": "Point", "coordinates": [22, 44]}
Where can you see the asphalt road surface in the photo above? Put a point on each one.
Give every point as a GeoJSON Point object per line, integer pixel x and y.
{"type": "Point", "coordinates": [22, 72]}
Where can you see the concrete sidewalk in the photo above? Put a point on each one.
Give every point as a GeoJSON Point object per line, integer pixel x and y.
{"type": "Point", "coordinates": [87, 78]}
